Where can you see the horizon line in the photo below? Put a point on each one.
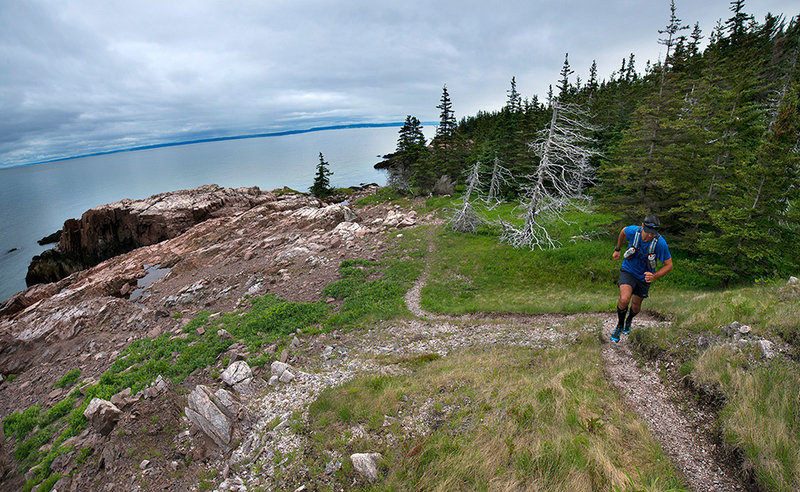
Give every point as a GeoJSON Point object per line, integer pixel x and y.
{"type": "Point", "coordinates": [216, 139]}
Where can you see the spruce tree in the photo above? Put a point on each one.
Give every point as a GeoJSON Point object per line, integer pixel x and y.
{"type": "Point", "coordinates": [563, 83]}
{"type": "Point", "coordinates": [592, 83]}
{"type": "Point", "coordinates": [514, 102]}
{"type": "Point", "coordinates": [447, 121]}
{"type": "Point", "coordinates": [322, 185]}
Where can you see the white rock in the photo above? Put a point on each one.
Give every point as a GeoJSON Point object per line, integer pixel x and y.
{"type": "Point", "coordinates": [794, 280]}
{"type": "Point", "coordinates": [102, 414]}
{"type": "Point", "coordinates": [226, 399]}
{"type": "Point", "coordinates": [277, 368]}
{"type": "Point", "coordinates": [766, 349]}
{"type": "Point", "coordinates": [254, 289]}
{"type": "Point", "coordinates": [366, 464]}
{"type": "Point", "coordinates": [222, 333]}
{"type": "Point", "coordinates": [236, 373]}
{"type": "Point", "coordinates": [273, 380]}
{"type": "Point", "coordinates": [744, 329]}
{"type": "Point", "coordinates": [144, 464]}
{"type": "Point", "coordinates": [287, 377]}
{"type": "Point", "coordinates": [207, 412]}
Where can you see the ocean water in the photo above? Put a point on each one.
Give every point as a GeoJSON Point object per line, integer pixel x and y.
{"type": "Point", "coordinates": [36, 200]}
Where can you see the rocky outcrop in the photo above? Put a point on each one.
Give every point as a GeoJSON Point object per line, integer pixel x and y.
{"type": "Point", "coordinates": [210, 413]}
{"type": "Point", "coordinates": [109, 230]}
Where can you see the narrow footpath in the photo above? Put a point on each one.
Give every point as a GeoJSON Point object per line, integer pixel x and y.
{"type": "Point", "coordinates": [644, 393]}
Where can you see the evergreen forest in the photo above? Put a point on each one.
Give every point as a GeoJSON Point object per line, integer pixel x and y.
{"type": "Point", "coordinates": [706, 138]}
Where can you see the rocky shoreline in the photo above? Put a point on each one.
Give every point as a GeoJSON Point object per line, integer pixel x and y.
{"type": "Point", "coordinates": [214, 248]}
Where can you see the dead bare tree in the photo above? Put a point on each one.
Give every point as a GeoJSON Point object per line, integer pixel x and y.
{"type": "Point", "coordinates": [500, 177]}
{"type": "Point", "coordinates": [564, 149]}
{"type": "Point", "coordinates": [466, 219]}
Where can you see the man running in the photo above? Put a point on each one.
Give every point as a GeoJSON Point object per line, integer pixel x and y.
{"type": "Point", "coordinates": [645, 247]}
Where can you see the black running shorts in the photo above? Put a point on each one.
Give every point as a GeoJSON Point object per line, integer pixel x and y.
{"type": "Point", "coordinates": [640, 287]}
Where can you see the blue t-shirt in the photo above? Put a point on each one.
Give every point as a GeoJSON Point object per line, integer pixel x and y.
{"type": "Point", "coordinates": [637, 264]}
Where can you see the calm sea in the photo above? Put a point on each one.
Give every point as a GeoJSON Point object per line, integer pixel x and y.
{"type": "Point", "coordinates": [36, 200]}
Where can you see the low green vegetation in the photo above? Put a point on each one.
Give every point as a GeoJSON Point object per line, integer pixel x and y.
{"type": "Point", "coordinates": [375, 290]}
{"type": "Point", "coordinates": [69, 379]}
{"type": "Point", "coordinates": [478, 273]}
{"type": "Point", "coordinates": [762, 414]}
{"type": "Point", "coordinates": [496, 419]}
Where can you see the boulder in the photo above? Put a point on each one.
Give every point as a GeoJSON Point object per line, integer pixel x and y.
{"type": "Point", "coordinates": [211, 415]}
{"type": "Point", "coordinates": [102, 415]}
{"type": "Point", "coordinates": [366, 464]}
{"type": "Point", "coordinates": [277, 368]}
{"type": "Point", "coordinates": [794, 280]}
{"type": "Point", "coordinates": [287, 377]}
{"type": "Point", "coordinates": [238, 372]}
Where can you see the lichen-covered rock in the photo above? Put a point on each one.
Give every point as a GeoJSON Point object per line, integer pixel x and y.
{"type": "Point", "coordinates": [277, 368]}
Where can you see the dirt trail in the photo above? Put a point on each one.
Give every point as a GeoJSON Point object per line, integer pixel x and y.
{"type": "Point", "coordinates": [644, 393]}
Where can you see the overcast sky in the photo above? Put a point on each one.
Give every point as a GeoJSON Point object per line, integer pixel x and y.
{"type": "Point", "coordinates": [80, 76]}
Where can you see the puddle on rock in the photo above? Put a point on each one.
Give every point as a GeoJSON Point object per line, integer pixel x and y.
{"type": "Point", "coordinates": [151, 276]}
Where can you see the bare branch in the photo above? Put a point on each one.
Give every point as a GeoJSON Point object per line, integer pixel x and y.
{"type": "Point", "coordinates": [466, 219]}
{"type": "Point", "coordinates": [564, 171]}
{"type": "Point", "coordinates": [500, 177]}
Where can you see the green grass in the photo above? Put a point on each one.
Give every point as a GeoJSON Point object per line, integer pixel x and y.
{"type": "Point", "coordinates": [478, 273]}
{"type": "Point", "coordinates": [375, 290]}
{"type": "Point", "coordinates": [69, 379]}
{"type": "Point", "coordinates": [762, 414]}
{"type": "Point", "coordinates": [384, 195]}
{"type": "Point", "coordinates": [494, 419]}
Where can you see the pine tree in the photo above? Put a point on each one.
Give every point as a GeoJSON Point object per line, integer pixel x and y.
{"type": "Point", "coordinates": [630, 72]}
{"type": "Point", "coordinates": [514, 102]}
{"type": "Point", "coordinates": [672, 30]}
{"type": "Point", "coordinates": [592, 83]}
{"type": "Point", "coordinates": [447, 121]}
{"type": "Point", "coordinates": [322, 186]}
{"type": "Point", "coordinates": [563, 84]}
{"type": "Point", "coordinates": [736, 24]}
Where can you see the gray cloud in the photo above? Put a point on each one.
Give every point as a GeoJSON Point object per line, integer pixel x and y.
{"type": "Point", "coordinates": [85, 76]}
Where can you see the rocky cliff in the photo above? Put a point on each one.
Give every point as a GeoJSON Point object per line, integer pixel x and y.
{"type": "Point", "coordinates": [109, 230]}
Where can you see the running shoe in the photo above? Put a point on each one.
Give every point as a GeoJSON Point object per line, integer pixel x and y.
{"type": "Point", "coordinates": [627, 328]}
{"type": "Point", "coordinates": [615, 335]}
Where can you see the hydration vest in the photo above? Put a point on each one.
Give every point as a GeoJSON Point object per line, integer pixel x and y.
{"type": "Point", "coordinates": [651, 253]}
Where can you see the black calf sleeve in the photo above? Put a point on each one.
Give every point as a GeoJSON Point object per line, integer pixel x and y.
{"type": "Point", "coordinates": [631, 314]}
{"type": "Point", "coordinates": [621, 314]}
